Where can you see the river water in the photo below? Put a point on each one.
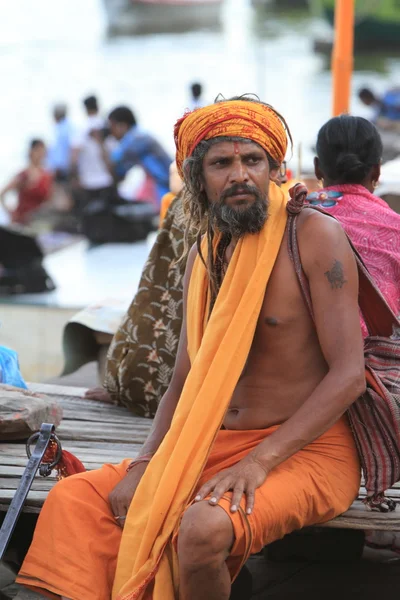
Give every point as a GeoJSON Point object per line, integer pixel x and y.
{"type": "Point", "coordinates": [57, 50]}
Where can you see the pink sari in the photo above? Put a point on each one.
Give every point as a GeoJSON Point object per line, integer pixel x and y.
{"type": "Point", "coordinates": [374, 229]}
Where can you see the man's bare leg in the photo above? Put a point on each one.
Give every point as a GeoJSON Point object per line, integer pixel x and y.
{"type": "Point", "coordinates": [205, 537]}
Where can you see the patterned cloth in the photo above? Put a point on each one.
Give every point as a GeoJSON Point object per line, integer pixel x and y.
{"type": "Point", "coordinates": [142, 354]}
{"type": "Point", "coordinates": [374, 229]}
{"type": "Point", "coordinates": [252, 120]}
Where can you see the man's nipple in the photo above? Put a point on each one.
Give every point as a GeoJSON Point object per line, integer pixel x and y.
{"type": "Point", "coordinates": [271, 321]}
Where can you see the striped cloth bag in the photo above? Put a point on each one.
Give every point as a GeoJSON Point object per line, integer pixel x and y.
{"type": "Point", "coordinates": [375, 416]}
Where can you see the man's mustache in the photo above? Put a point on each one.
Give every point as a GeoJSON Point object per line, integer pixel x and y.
{"type": "Point", "coordinates": [238, 189]}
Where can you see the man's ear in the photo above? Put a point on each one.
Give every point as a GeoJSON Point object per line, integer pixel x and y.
{"type": "Point", "coordinates": [317, 169]}
{"type": "Point", "coordinates": [274, 175]}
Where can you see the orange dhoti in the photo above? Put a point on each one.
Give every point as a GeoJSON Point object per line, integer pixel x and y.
{"type": "Point", "coordinates": [75, 547]}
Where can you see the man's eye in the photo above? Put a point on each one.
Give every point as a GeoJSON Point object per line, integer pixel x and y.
{"type": "Point", "coordinates": [253, 160]}
{"type": "Point", "coordinates": [221, 162]}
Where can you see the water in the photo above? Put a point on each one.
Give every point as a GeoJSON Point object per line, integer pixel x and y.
{"type": "Point", "coordinates": [56, 50]}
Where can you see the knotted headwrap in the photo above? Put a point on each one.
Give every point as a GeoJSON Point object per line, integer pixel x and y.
{"type": "Point", "coordinates": [233, 118]}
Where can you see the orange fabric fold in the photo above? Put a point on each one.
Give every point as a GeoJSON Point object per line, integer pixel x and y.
{"type": "Point", "coordinates": [218, 350]}
{"type": "Point", "coordinates": [237, 118]}
{"type": "Point", "coordinates": [326, 470]}
{"type": "Point", "coordinates": [166, 201]}
{"type": "Point", "coordinates": [75, 545]}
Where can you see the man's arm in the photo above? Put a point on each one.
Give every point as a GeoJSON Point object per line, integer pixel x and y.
{"type": "Point", "coordinates": [13, 185]}
{"type": "Point", "coordinates": [330, 266]}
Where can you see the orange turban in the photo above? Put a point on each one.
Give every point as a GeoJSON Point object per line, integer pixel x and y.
{"type": "Point", "coordinates": [233, 118]}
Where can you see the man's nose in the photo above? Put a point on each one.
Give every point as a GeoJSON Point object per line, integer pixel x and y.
{"type": "Point", "coordinates": [239, 172]}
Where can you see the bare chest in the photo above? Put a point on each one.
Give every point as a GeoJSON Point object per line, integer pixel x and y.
{"type": "Point", "coordinates": [284, 319]}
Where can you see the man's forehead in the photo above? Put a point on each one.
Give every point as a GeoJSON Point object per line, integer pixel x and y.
{"type": "Point", "coordinates": [227, 147]}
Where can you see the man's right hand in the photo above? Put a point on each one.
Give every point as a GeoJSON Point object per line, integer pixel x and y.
{"type": "Point", "coordinates": [122, 495]}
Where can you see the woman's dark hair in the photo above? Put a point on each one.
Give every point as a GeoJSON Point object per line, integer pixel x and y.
{"type": "Point", "coordinates": [91, 103]}
{"type": "Point", "coordinates": [123, 114]}
{"type": "Point", "coordinates": [35, 143]}
{"type": "Point", "coordinates": [347, 148]}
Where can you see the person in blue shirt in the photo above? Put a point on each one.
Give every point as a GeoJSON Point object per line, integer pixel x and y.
{"type": "Point", "coordinates": [59, 153]}
{"type": "Point", "coordinates": [137, 147]}
{"type": "Point", "coordinates": [387, 107]}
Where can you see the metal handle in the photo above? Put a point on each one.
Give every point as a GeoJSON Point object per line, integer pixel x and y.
{"type": "Point", "coordinates": [45, 468]}
{"type": "Point", "coordinates": [43, 438]}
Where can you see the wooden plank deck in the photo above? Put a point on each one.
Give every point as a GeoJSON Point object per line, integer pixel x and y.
{"type": "Point", "coordinates": [98, 433]}
{"type": "Point", "coordinates": [95, 432]}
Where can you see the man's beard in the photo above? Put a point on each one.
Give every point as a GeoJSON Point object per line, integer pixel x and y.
{"type": "Point", "coordinates": [239, 221]}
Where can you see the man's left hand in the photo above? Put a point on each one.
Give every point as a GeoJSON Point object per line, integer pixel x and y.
{"type": "Point", "coordinates": [243, 478]}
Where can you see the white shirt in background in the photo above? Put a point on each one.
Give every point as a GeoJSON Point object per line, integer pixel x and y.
{"type": "Point", "coordinates": [92, 170]}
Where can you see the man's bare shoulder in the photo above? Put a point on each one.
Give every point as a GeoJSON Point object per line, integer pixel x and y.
{"type": "Point", "coordinates": [315, 228]}
{"type": "Point", "coordinates": [325, 249]}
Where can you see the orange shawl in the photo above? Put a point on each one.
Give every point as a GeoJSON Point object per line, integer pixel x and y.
{"type": "Point", "coordinates": [166, 201]}
{"type": "Point", "coordinates": [218, 349]}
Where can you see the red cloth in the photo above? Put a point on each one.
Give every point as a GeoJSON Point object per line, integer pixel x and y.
{"type": "Point", "coordinates": [31, 195]}
{"type": "Point", "coordinates": [374, 229]}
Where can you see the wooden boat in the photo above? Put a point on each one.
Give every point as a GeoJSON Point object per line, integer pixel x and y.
{"type": "Point", "coordinates": [377, 23]}
{"type": "Point", "coordinates": [135, 17]}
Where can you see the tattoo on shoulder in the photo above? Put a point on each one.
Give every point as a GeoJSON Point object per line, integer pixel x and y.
{"type": "Point", "coordinates": [336, 275]}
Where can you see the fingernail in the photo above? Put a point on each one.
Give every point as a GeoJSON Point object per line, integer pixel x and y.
{"type": "Point", "coordinates": [248, 511]}
{"type": "Point", "coordinates": [234, 508]}
{"type": "Point", "coordinates": [213, 500]}
{"type": "Point", "coordinates": [198, 497]}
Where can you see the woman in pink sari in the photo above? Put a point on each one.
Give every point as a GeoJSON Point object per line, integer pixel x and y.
{"type": "Point", "coordinates": [349, 151]}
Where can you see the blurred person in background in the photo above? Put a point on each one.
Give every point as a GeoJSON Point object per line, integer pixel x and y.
{"type": "Point", "coordinates": [386, 108]}
{"type": "Point", "coordinates": [137, 147]}
{"type": "Point", "coordinates": [89, 158]}
{"type": "Point", "coordinates": [196, 92]}
{"type": "Point", "coordinates": [33, 185]}
{"type": "Point", "coordinates": [59, 154]}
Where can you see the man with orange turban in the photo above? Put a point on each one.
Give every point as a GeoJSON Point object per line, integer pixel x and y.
{"type": "Point", "coordinates": [249, 442]}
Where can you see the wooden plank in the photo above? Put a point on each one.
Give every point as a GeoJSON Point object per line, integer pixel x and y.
{"type": "Point", "coordinates": [115, 428]}
{"type": "Point", "coordinates": [21, 461]}
{"type": "Point", "coordinates": [68, 431]}
{"type": "Point", "coordinates": [79, 413]}
{"type": "Point", "coordinates": [105, 417]}
{"type": "Point", "coordinates": [27, 509]}
{"type": "Point", "coordinates": [57, 390]}
{"type": "Point", "coordinates": [8, 449]}
{"type": "Point", "coordinates": [78, 416]}
{"type": "Point", "coordinates": [92, 405]}
{"type": "Point", "coordinates": [17, 470]}
{"type": "Point", "coordinates": [124, 447]}
{"type": "Point", "coordinates": [392, 493]}
{"type": "Point", "coordinates": [39, 484]}
{"type": "Point", "coordinates": [34, 498]}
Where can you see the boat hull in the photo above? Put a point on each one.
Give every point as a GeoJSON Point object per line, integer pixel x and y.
{"type": "Point", "coordinates": [378, 25]}
{"type": "Point", "coordinates": [135, 18]}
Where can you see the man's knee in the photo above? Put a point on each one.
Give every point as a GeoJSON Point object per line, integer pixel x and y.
{"type": "Point", "coordinates": [69, 486]}
{"type": "Point", "coordinates": [205, 535]}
